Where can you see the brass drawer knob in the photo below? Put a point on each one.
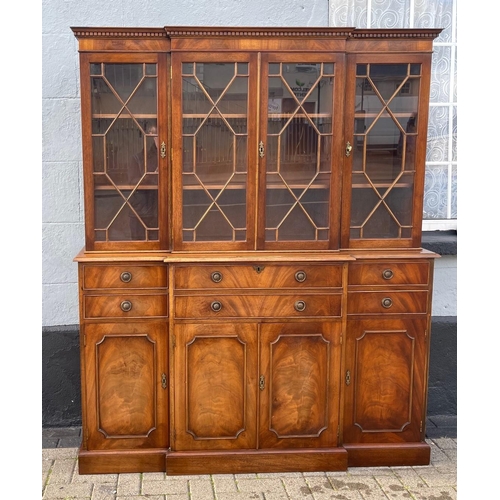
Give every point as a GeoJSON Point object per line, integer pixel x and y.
{"type": "Point", "coordinates": [216, 306]}
{"type": "Point", "coordinates": [387, 274]}
{"type": "Point", "coordinates": [300, 276]}
{"type": "Point", "coordinates": [126, 306]}
{"type": "Point", "coordinates": [126, 277]}
{"type": "Point", "coordinates": [300, 305]}
{"type": "Point", "coordinates": [216, 277]}
{"type": "Point", "coordinates": [387, 302]}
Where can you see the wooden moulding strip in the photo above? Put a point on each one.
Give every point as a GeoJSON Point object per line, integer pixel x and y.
{"type": "Point", "coordinates": [121, 461]}
{"type": "Point", "coordinates": [393, 454]}
{"type": "Point", "coordinates": [237, 462]}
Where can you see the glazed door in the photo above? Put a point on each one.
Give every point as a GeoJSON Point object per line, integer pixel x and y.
{"type": "Point", "coordinates": [385, 380]}
{"type": "Point", "coordinates": [299, 385]}
{"type": "Point", "coordinates": [214, 98]}
{"type": "Point", "coordinates": [124, 143]}
{"type": "Point", "coordinates": [215, 386]}
{"type": "Point", "coordinates": [126, 388]}
{"type": "Point", "coordinates": [300, 164]}
{"type": "Point", "coordinates": [385, 147]}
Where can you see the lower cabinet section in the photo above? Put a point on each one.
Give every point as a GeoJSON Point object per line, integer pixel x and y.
{"type": "Point", "coordinates": [385, 387]}
{"type": "Point", "coordinates": [245, 391]}
{"type": "Point", "coordinates": [126, 394]}
{"type": "Point", "coordinates": [257, 384]}
{"type": "Point", "coordinates": [253, 386]}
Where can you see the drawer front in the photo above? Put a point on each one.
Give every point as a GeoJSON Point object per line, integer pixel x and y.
{"type": "Point", "coordinates": [125, 306]}
{"type": "Point", "coordinates": [263, 276]}
{"type": "Point", "coordinates": [389, 273]}
{"type": "Point", "coordinates": [257, 306]}
{"type": "Point", "coordinates": [386, 302]}
{"type": "Point", "coordinates": [124, 276]}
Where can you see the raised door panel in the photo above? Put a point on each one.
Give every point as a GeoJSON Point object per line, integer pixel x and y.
{"type": "Point", "coordinates": [126, 388]}
{"type": "Point", "coordinates": [299, 385]}
{"type": "Point", "coordinates": [385, 380]}
{"type": "Point", "coordinates": [215, 386]}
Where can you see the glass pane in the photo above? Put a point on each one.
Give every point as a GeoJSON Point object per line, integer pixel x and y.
{"type": "Point", "coordinates": [125, 151]}
{"type": "Point", "coordinates": [298, 151]}
{"type": "Point", "coordinates": [383, 155]}
{"type": "Point", "coordinates": [215, 138]}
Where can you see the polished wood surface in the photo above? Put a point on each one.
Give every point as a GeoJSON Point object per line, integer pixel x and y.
{"type": "Point", "coordinates": [124, 276]}
{"type": "Point", "coordinates": [245, 276]}
{"type": "Point", "coordinates": [268, 309]}
{"type": "Point", "coordinates": [126, 405]}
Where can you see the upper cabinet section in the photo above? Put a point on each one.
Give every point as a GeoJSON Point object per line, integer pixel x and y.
{"type": "Point", "coordinates": [215, 139]}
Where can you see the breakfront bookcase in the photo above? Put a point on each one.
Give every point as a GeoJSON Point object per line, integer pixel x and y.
{"type": "Point", "coordinates": [253, 292]}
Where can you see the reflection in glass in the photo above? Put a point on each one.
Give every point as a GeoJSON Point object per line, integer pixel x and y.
{"type": "Point", "coordinates": [125, 151]}
{"type": "Point", "coordinates": [383, 157]}
{"type": "Point", "coordinates": [215, 133]}
{"type": "Point", "coordinates": [298, 151]}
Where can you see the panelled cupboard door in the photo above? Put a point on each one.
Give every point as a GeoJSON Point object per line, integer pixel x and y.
{"type": "Point", "coordinates": [124, 133]}
{"type": "Point", "coordinates": [299, 385]}
{"type": "Point", "coordinates": [126, 388]}
{"type": "Point", "coordinates": [215, 387]}
{"type": "Point", "coordinates": [386, 115]}
{"type": "Point", "coordinates": [385, 380]}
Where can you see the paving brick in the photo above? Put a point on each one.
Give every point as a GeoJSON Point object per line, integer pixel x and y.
{"type": "Point", "coordinates": [438, 481]}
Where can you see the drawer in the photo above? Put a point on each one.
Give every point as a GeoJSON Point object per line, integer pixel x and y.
{"type": "Point", "coordinates": [215, 306]}
{"type": "Point", "coordinates": [386, 302]}
{"type": "Point", "coordinates": [389, 273]}
{"type": "Point", "coordinates": [263, 276]}
{"type": "Point", "coordinates": [125, 306]}
{"type": "Point", "coordinates": [124, 276]}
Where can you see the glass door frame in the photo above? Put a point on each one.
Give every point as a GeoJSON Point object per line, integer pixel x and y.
{"type": "Point", "coordinates": [178, 58]}
{"type": "Point", "coordinates": [334, 199]}
{"type": "Point", "coordinates": [162, 62]}
{"type": "Point", "coordinates": [419, 167]}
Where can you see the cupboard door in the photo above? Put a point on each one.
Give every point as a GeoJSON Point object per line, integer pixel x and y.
{"type": "Point", "coordinates": [386, 127]}
{"type": "Point", "coordinates": [300, 109]}
{"type": "Point", "coordinates": [126, 385]}
{"type": "Point", "coordinates": [215, 386]}
{"type": "Point", "coordinates": [214, 153]}
{"type": "Point", "coordinates": [123, 112]}
{"type": "Point", "coordinates": [299, 385]}
{"type": "Point", "coordinates": [385, 380]}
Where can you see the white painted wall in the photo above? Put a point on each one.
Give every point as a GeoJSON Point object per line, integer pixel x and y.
{"type": "Point", "coordinates": [62, 196]}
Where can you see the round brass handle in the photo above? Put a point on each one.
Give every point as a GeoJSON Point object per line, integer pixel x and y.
{"type": "Point", "coordinates": [216, 306]}
{"type": "Point", "coordinates": [126, 277]}
{"type": "Point", "coordinates": [300, 276]}
{"type": "Point", "coordinates": [300, 305]}
{"type": "Point", "coordinates": [387, 302]}
{"type": "Point", "coordinates": [126, 306]}
{"type": "Point", "coordinates": [387, 274]}
{"type": "Point", "coordinates": [216, 277]}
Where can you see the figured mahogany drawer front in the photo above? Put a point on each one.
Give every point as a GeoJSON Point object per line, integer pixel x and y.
{"type": "Point", "coordinates": [389, 273]}
{"type": "Point", "coordinates": [124, 276]}
{"type": "Point", "coordinates": [258, 276]}
{"type": "Point", "coordinates": [125, 306]}
{"type": "Point", "coordinates": [257, 306]}
{"type": "Point", "coordinates": [386, 302]}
